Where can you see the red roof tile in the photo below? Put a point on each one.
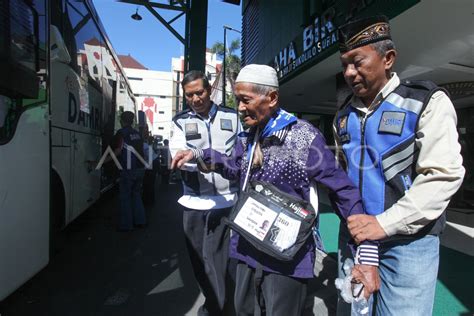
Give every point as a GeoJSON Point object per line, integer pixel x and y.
{"type": "Point", "coordinates": [128, 61]}
{"type": "Point", "coordinates": [94, 42]}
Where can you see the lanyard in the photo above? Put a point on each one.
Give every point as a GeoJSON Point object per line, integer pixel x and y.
{"type": "Point", "coordinates": [252, 151]}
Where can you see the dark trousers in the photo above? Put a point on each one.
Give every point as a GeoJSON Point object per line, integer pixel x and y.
{"type": "Point", "coordinates": [165, 175]}
{"type": "Point", "coordinates": [268, 294]}
{"type": "Point", "coordinates": [132, 211]}
{"type": "Point", "coordinates": [149, 186]}
{"type": "Point", "coordinates": [207, 240]}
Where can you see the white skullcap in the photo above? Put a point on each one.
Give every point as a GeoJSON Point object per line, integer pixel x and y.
{"type": "Point", "coordinates": [258, 74]}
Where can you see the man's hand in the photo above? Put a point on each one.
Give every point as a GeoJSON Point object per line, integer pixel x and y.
{"type": "Point", "coordinates": [181, 157]}
{"type": "Point", "coordinates": [365, 227]}
{"type": "Point", "coordinates": [367, 275]}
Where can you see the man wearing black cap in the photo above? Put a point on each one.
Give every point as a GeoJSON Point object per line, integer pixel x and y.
{"type": "Point", "coordinates": [399, 143]}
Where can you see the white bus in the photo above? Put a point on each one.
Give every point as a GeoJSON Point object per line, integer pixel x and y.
{"type": "Point", "coordinates": [61, 91]}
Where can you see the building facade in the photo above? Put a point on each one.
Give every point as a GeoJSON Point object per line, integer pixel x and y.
{"type": "Point", "coordinates": [159, 95]}
{"type": "Point", "coordinates": [155, 97]}
{"type": "Point", "coordinates": [212, 70]}
{"type": "Point", "coordinates": [435, 42]}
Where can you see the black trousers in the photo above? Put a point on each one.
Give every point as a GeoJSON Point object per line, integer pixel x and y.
{"type": "Point", "coordinates": [263, 293]}
{"type": "Point", "coordinates": [149, 186]}
{"type": "Point", "coordinates": [207, 241]}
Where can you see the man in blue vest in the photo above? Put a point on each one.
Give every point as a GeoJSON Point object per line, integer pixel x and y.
{"type": "Point", "coordinates": [207, 197]}
{"type": "Point", "coordinates": [399, 143]}
{"type": "Point", "coordinates": [129, 148]}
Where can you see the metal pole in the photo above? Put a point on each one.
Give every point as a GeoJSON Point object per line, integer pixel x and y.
{"type": "Point", "coordinates": [186, 47]}
{"type": "Point", "coordinates": [224, 81]}
{"type": "Point", "coordinates": [197, 35]}
{"type": "Point", "coordinates": [223, 67]}
{"type": "Point", "coordinates": [178, 85]}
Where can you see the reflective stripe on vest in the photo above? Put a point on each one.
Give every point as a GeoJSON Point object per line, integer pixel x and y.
{"type": "Point", "coordinates": [380, 150]}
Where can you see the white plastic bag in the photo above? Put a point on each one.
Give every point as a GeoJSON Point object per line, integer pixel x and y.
{"type": "Point", "coordinates": [360, 305]}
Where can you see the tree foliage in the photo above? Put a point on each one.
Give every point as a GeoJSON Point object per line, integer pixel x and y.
{"type": "Point", "coordinates": [232, 64]}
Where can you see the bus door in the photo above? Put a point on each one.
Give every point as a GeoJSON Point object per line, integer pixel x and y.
{"type": "Point", "coordinates": [86, 186]}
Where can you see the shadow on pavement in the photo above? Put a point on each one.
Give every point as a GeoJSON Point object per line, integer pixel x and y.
{"type": "Point", "coordinates": [99, 271]}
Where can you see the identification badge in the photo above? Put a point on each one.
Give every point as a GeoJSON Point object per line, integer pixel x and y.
{"type": "Point", "coordinates": [255, 218]}
{"type": "Point", "coordinates": [285, 231]}
{"type": "Point", "coordinates": [392, 122]}
{"type": "Point", "coordinates": [191, 128]}
{"type": "Point", "coordinates": [259, 221]}
{"type": "Point", "coordinates": [272, 221]}
{"type": "Point", "coordinates": [342, 125]}
{"type": "Point", "coordinates": [226, 125]}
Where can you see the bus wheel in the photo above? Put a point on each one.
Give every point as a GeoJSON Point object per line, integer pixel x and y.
{"type": "Point", "coordinates": [57, 215]}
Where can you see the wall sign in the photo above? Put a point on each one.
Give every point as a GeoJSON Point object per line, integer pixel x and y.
{"type": "Point", "coordinates": [316, 38]}
{"type": "Point", "coordinates": [319, 40]}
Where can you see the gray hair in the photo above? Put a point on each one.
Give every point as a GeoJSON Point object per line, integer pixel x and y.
{"type": "Point", "coordinates": [263, 89]}
{"type": "Point", "coordinates": [382, 47]}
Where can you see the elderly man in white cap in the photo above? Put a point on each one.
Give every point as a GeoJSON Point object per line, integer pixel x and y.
{"type": "Point", "coordinates": [291, 155]}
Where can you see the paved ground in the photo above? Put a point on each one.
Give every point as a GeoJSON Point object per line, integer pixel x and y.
{"type": "Point", "coordinates": [454, 294]}
{"type": "Point", "coordinates": [99, 271]}
{"type": "Point", "coordinates": [103, 272]}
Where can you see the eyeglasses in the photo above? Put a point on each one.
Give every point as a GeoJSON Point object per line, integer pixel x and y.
{"type": "Point", "coordinates": [355, 282]}
{"type": "Point", "coordinates": [191, 94]}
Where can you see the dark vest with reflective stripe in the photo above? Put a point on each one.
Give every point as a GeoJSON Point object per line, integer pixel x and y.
{"type": "Point", "coordinates": [131, 139]}
{"type": "Point", "coordinates": [380, 149]}
{"type": "Point", "coordinates": [220, 134]}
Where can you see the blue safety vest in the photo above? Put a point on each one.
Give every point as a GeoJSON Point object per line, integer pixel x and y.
{"type": "Point", "coordinates": [380, 149]}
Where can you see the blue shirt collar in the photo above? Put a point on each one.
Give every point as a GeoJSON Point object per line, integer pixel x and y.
{"type": "Point", "coordinates": [211, 115]}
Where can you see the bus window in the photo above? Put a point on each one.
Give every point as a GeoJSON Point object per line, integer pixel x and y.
{"type": "Point", "coordinates": [22, 60]}
{"type": "Point", "coordinates": [58, 51]}
{"type": "Point", "coordinates": [81, 64]}
{"type": "Point", "coordinates": [84, 41]}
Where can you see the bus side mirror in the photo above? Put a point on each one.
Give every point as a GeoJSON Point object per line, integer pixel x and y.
{"type": "Point", "coordinates": [58, 50]}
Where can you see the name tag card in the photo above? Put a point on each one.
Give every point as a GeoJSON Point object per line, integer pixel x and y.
{"type": "Point", "coordinates": [392, 122]}
{"type": "Point", "coordinates": [255, 218]}
{"type": "Point", "coordinates": [273, 221]}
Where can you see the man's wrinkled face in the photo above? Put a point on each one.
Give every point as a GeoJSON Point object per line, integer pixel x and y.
{"type": "Point", "coordinates": [365, 71]}
{"type": "Point", "coordinates": [255, 109]}
{"type": "Point", "coordinates": [198, 97]}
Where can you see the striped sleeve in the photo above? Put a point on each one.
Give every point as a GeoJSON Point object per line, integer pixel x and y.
{"type": "Point", "coordinates": [197, 153]}
{"type": "Point", "coordinates": [367, 255]}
